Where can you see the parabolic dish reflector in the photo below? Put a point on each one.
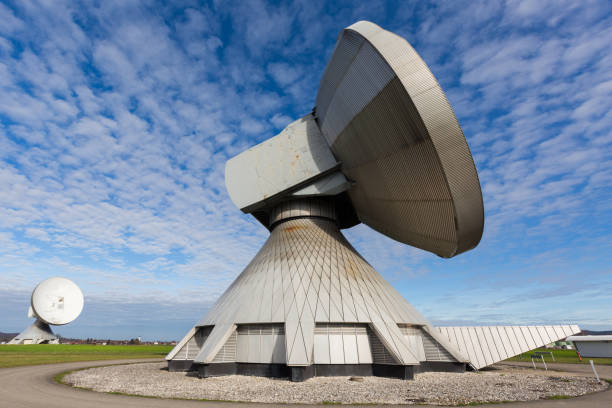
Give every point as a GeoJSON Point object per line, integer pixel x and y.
{"type": "Point", "coordinates": [388, 122]}
{"type": "Point", "coordinates": [57, 301]}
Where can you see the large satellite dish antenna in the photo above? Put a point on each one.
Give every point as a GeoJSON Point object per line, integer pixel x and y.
{"type": "Point", "coordinates": [383, 133]}
{"type": "Point", "coordinates": [382, 146]}
{"type": "Point", "coordinates": [55, 301]}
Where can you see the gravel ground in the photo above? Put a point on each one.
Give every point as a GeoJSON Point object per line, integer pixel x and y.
{"type": "Point", "coordinates": [429, 388]}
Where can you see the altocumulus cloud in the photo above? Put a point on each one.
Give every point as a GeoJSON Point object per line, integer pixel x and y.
{"type": "Point", "coordinates": [116, 119]}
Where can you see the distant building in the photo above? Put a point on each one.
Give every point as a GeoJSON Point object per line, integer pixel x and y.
{"type": "Point", "coordinates": [593, 346]}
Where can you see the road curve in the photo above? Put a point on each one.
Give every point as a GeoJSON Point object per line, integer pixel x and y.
{"type": "Point", "coordinates": [33, 387]}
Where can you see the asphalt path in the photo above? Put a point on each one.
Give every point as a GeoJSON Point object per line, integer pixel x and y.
{"type": "Point", "coordinates": [604, 371]}
{"type": "Point", "coordinates": [33, 387]}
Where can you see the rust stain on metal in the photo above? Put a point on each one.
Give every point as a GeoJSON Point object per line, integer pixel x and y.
{"type": "Point", "coordinates": [350, 268]}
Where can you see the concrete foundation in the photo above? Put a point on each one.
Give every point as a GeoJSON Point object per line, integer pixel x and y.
{"type": "Point", "coordinates": [303, 373]}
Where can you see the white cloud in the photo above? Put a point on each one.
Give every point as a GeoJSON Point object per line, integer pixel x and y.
{"type": "Point", "coordinates": [283, 74]}
{"type": "Point", "coordinates": [262, 26]}
{"type": "Point", "coordinates": [9, 23]}
{"type": "Point", "coordinates": [280, 121]}
{"type": "Point", "coordinates": [251, 126]}
{"type": "Point", "coordinates": [116, 121]}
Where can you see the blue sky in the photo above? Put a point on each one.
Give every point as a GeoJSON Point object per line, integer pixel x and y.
{"type": "Point", "coordinates": [116, 119]}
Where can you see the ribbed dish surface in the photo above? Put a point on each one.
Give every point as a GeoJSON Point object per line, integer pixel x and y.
{"type": "Point", "coordinates": [387, 120]}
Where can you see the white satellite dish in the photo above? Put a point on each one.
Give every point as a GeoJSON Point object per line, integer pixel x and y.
{"type": "Point", "coordinates": [55, 301]}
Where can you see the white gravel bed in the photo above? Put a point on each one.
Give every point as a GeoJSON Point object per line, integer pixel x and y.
{"type": "Point", "coordinates": [153, 379]}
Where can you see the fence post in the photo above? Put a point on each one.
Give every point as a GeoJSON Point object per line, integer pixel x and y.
{"type": "Point", "coordinates": [594, 371]}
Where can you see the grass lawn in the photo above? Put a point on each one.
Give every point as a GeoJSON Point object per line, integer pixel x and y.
{"type": "Point", "coordinates": [21, 355]}
{"type": "Point", "coordinates": [562, 356]}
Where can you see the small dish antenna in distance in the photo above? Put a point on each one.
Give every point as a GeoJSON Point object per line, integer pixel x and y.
{"type": "Point", "coordinates": [57, 301]}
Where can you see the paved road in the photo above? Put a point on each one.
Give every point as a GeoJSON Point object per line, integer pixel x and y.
{"type": "Point", "coordinates": [604, 371]}
{"type": "Point", "coordinates": [33, 387]}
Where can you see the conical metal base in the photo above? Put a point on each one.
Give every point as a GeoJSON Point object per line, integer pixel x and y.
{"type": "Point", "coordinates": [37, 333]}
{"type": "Point", "coordinates": [309, 299]}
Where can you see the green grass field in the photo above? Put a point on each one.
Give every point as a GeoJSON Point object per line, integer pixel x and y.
{"type": "Point", "coordinates": [21, 355]}
{"type": "Point", "coordinates": [562, 356]}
